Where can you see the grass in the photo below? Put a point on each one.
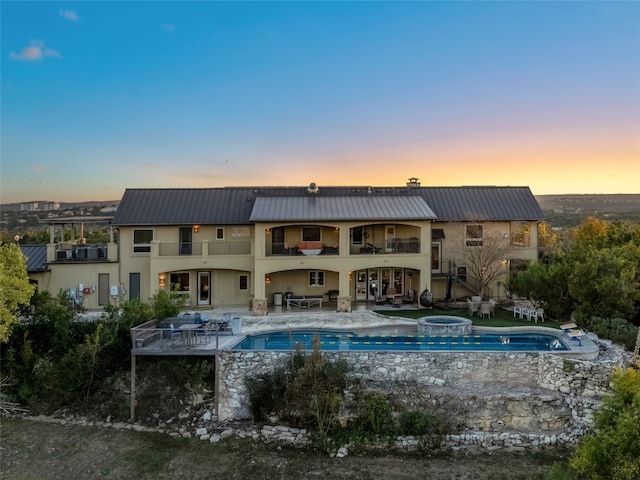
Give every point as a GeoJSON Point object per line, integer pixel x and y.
{"type": "Point", "coordinates": [35, 450]}
{"type": "Point", "coordinates": [503, 318]}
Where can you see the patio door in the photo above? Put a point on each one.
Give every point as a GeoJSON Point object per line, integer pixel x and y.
{"type": "Point", "coordinates": [185, 240]}
{"type": "Point", "coordinates": [204, 288]}
{"type": "Point", "coordinates": [361, 285]}
{"type": "Point", "coordinates": [389, 237]}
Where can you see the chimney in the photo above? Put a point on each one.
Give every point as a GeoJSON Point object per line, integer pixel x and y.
{"type": "Point", "coordinates": [413, 182]}
{"type": "Point", "coordinates": [313, 188]}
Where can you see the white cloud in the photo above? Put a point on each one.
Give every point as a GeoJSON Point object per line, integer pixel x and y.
{"type": "Point", "coordinates": [69, 15]}
{"type": "Point", "coordinates": [34, 52]}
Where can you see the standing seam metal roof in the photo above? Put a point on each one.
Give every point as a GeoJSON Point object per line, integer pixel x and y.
{"type": "Point", "coordinates": [311, 208]}
{"type": "Point", "coordinates": [234, 205]}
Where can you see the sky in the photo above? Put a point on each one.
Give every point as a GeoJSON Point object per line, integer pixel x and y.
{"type": "Point", "coordinates": [97, 97]}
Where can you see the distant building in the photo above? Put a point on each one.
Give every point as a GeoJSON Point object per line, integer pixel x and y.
{"type": "Point", "coordinates": [39, 206]}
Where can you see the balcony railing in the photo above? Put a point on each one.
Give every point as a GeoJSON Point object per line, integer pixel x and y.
{"type": "Point", "coordinates": [303, 248]}
{"type": "Point", "coordinates": [393, 246]}
{"type": "Point", "coordinates": [66, 252]}
{"type": "Point", "coordinates": [196, 249]}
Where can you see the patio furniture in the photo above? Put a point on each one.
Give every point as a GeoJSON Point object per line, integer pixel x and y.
{"type": "Point", "coordinates": [304, 301]}
{"type": "Point", "coordinates": [472, 307]}
{"type": "Point", "coordinates": [575, 335]}
{"type": "Point", "coordinates": [485, 310]}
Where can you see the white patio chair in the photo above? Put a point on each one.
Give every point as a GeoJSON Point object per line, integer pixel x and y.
{"type": "Point", "coordinates": [485, 310]}
{"type": "Point", "coordinates": [517, 310]}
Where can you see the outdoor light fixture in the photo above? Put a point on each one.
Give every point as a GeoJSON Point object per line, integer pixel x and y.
{"type": "Point", "coordinates": [196, 228]}
{"type": "Point", "coordinates": [162, 277]}
{"type": "Point", "coordinates": [267, 279]}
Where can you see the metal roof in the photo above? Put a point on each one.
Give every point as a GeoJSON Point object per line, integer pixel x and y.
{"type": "Point", "coordinates": [310, 208]}
{"type": "Point", "coordinates": [235, 205]}
{"type": "Point", "coordinates": [459, 204]}
{"type": "Point", "coordinates": [36, 257]}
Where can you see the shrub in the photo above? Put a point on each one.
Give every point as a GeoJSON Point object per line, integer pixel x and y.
{"type": "Point", "coordinates": [611, 453]}
{"type": "Point", "coordinates": [421, 423]}
{"type": "Point", "coordinates": [375, 415]}
{"type": "Point", "coordinates": [618, 330]}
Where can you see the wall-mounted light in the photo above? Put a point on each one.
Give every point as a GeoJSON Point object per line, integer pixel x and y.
{"type": "Point", "coordinates": [196, 228]}
{"type": "Point", "coordinates": [267, 279]}
{"type": "Point", "coordinates": [162, 279]}
{"type": "Point", "coordinates": [337, 229]}
{"type": "Point", "coordinates": [268, 230]}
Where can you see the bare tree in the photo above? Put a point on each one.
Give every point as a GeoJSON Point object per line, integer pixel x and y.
{"type": "Point", "coordinates": [486, 262]}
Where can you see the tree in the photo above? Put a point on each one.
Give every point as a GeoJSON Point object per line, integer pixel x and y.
{"type": "Point", "coordinates": [486, 262]}
{"type": "Point", "coordinates": [611, 453]}
{"type": "Point", "coordinates": [15, 289]}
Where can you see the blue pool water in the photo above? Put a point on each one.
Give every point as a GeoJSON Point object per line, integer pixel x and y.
{"type": "Point", "coordinates": [332, 340]}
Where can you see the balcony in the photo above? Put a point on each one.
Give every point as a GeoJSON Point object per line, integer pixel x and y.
{"type": "Point", "coordinates": [67, 252]}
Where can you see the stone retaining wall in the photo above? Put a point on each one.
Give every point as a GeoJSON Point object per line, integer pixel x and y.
{"type": "Point", "coordinates": [535, 394]}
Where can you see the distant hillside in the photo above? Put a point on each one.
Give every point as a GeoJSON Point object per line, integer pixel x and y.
{"type": "Point", "coordinates": [571, 210]}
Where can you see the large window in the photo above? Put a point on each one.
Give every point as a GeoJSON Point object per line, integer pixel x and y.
{"type": "Point", "coordinates": [473, 235]}
{"type": "Point", "coordinates": [142, 241]}
{"type": "Point", "coordinates": [316, 279]}
{"type": "Point", "coordinates": [311, 234]}
{"type": "Point", "coordinates": [180, 282]}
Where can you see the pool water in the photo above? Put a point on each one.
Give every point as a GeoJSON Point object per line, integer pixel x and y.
{"type": "Point", "coordinates": [332, 340]}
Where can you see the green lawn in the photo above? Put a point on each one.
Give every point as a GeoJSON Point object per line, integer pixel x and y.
{"type": "Point", "coordinates": [503, 318]}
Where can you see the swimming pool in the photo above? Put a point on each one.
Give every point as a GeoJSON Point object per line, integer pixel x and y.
{"type": "Point", "coordinates": [335, 340]}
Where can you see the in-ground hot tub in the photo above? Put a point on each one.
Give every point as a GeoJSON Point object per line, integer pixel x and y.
{"type": "Point", "coordinates": [444, 325]}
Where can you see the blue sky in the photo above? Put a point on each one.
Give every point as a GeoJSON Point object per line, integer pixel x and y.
{"type": "Point", "coordinates": [102, 96]}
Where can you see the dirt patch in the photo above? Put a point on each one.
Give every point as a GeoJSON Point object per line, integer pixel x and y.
{"type": "Point", "coordinates": [34, 450]}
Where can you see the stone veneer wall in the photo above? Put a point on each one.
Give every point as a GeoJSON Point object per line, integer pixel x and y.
{"type": "Point", "coordinates": [485, 391]}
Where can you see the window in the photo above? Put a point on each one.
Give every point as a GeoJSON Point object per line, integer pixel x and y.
{"type": "Point", "coordinates": [142, 241]}
{"type": "Point", "coordinates": [316, 279]}
{"type": "Point", "coordinates": [473, 235]}
{"type": "Point", "coordinates": [357, 236]}
{"type": "Point", "coordinates": [435, 257]}
{"type": "Point", "coordinates": [179, 282]}
{"type": "Point", "coordinates": [240, 232]}
{"type": "Point", "coordinates": [220, 233]}
{"type": "Point", "coordinates": [311, 234]}
{"type": "Point", "coordinates": [243, 283]}
{"type": "Point", "coordinates": [461, 273]}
